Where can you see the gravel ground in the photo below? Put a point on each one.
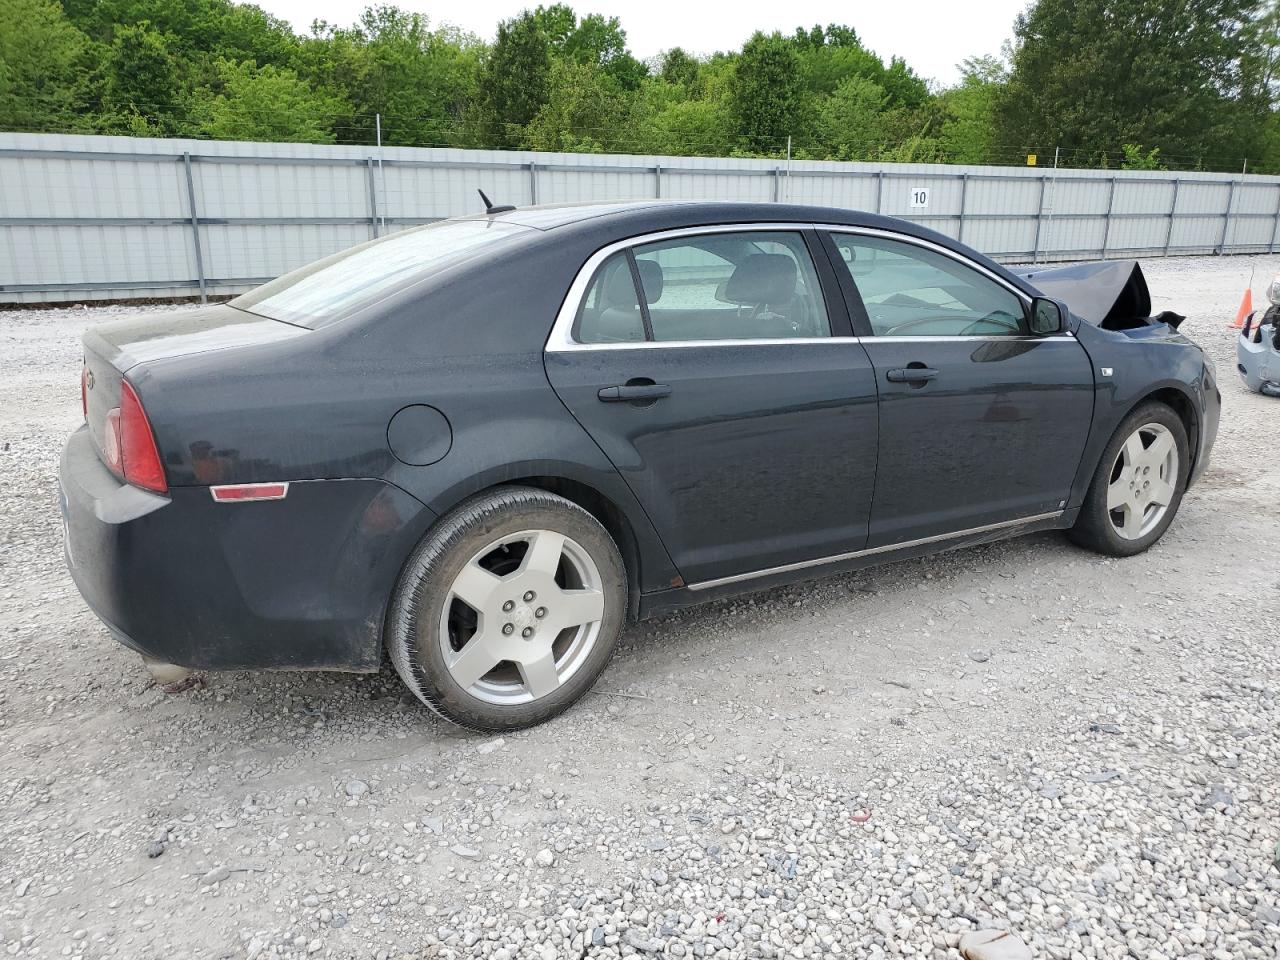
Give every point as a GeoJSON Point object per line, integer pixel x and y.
{"type": "Point", "coordinates": [1021, 735]}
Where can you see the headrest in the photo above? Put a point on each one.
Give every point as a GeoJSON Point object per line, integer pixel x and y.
{"type": "Point", "coordinates": [650, 279]}
{"type": "Point", "coordinates": [619, 292]}
{"type": "Point", "coordinates": [762, 278]}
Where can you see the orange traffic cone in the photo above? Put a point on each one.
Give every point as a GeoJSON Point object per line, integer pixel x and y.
{"type": "Point", "coordinates": [1246, 308]}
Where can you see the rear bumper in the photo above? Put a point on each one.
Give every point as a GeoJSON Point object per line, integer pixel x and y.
{"type": "Point", "coordinates": [298, 583]}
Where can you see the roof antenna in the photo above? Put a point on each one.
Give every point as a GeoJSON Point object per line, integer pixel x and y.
{"type": "Point", "coordinates": [490, 209]}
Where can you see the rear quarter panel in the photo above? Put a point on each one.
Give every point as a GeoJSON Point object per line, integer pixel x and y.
{"type": "Point", "coordinates": [468, 343]}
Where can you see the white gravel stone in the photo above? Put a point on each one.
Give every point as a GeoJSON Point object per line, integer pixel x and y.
{"type": "Point", "coordinates": [1104, 786]}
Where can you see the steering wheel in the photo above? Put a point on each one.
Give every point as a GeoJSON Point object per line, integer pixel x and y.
{"type": "Point", "coordinates": [908, 324]}
{"type": "Point", "coordinates": [1002, 322]}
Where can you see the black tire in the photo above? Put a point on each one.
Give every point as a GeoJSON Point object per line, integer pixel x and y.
{"type": "Point", "coordinates": [1094, 528]}
{"type": "Point", "coordinates": [414, 617]}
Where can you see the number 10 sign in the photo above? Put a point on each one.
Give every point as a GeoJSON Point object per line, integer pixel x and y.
{"type": "Point", "coordinates": [919, 197]}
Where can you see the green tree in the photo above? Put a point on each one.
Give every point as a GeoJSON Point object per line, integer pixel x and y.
{"type": "Point", "coordinates": [594, 39]}
{"type": "Point", "coordinates": [143, 93]}
{"type": "Point", "coordinates": [904, 88]}
{"type": "Point", "coordinates": [584, 112]}
{"type": "Point", "coordinates": [768, 97]}
{"type": "Point", "coordinates": [833, 54]}
{"type": "Point", "coordinates": [1090, 75]}
{"type": "Point", "coordinates": [1260, 88]}
{"type": "Point", "coordinates": [198, 30]}
{"type": "Point", "coordinates": [850, 120]}
{"type": "Point", "coordinates": [968, 127]}
{"type": "Point", "coordinates": [43, 60]}
{"type": "Point", "coordinates": [1135, 158]}
{"type": "Point", "coordinates": [676, 66]}
{"type": "Point", "coordinates": [392, 63]}
{"type": "Point", "coordinates": [268, 103]}
{"type": "Point", "coordinates": [514, 81]}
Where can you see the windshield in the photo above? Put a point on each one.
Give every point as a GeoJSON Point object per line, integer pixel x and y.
{"type": "Point", "coordinates": [329, 289]}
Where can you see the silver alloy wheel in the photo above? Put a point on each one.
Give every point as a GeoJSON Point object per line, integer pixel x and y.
{"type": "Point", "coordinates": [521, 617]}
{"type": "Point", "coordinates": [1143, 481]}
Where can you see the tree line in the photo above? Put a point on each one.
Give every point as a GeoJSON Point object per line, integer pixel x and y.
{"type": "Point", "coordinates": [1120, 83]}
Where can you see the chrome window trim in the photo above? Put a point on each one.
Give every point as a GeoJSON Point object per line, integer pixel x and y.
{"type": "Point", "coordinates": [1017, 338]}
{"type": "Point", "coordinates": [872, 551]}
{"type": "Point", "coordinates": [561, 339]}
{"type": "Point", "coordinates": [573, 346]}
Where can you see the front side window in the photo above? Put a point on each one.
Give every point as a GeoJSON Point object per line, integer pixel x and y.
{"type": "Point", "coordinates": [911, 291]}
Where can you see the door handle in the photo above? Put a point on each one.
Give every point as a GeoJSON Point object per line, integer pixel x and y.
{"type": "Point", "coordinates": [632, 392]}
{"type": "Point", "coordinates": [910, 374]}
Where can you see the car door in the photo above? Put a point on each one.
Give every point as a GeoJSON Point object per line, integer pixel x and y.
{"type": "Point", "coordinates": [716, 369]}
{"type": "Point", "coordinates": [981, 423]}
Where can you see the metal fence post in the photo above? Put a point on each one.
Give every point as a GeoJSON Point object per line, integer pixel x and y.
{"type": "Point", "coordinates": [777, 184]}
{"type": "Point", "coordinates": [373, 198]}
{"type": "Point", "coordinates": [657, 181]}
{"type": "Point", "coordinates": [1106, 224]}
{"type": "Point", "coordinates": [195, 227]}
{"type": "Point", "coordinates": [879, 190]}
{"type": "Point", "coordinates": [1035, 250]}
{"type": "Point", "coordinates": [964, 191]}
{"type": "Point", "coordinates": [533, 183]}
{"type": "Point", "coordinates": [1275, 227]}
{"type": "Point", "coordinates": [1226, 219]}
{"type": "Point", "coordinates": [1173, 209]}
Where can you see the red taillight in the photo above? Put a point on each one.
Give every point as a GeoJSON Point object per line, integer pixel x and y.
{"type": "Point", "coordinates": [129, 446]}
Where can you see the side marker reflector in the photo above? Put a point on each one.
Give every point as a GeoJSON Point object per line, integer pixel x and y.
{"type": "Point", "coordinates": [244, 492]}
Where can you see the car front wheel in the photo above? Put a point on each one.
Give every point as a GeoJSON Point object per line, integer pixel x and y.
{"type": "Point", "coordinates": [508, 609]}
{"type": "Point", "coordinates": [1138, 485]}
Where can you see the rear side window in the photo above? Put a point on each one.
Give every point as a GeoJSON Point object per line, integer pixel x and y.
{"type": "Point", "coordinates": [751, 285]}
{"type": "Point", "coordinates": [330, 289]}
{"type": "Point", "coordinates": [610, 312]}
{"type": "Point", "coordinates": [732, 286]}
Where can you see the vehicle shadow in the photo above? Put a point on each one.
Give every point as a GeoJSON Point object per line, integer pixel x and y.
{"type": "Point", "coordinates": [694, 634]}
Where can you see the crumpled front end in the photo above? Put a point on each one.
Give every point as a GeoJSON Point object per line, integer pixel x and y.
{"type": "Point", "coordinates": [1111, 294]}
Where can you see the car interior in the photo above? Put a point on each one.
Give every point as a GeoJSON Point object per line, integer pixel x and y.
{"type": "Point", "coordinates": [713, 287]}
{"type": "Point", "coordinates": [911, 291]}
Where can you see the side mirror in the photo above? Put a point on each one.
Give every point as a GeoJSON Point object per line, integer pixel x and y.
{"type": "Point", "coordinates": [1047, 317]}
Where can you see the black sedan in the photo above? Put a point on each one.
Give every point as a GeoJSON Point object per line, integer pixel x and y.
{"type": "Point", "coordinates": [486, 443]}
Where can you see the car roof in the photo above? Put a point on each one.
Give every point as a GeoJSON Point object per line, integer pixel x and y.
{"type": "Point", "coordinates": [552, 216]}
{"type": "Point", "coordinates": [599, 224]}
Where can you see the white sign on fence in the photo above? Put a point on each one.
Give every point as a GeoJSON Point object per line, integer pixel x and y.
{"type": "Point", "coordinates": [919, 197]}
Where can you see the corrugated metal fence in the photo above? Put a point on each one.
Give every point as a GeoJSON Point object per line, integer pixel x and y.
{"type": "Point", "coordinates": [89, 218]}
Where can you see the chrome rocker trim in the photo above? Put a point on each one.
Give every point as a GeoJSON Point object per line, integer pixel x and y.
{"type": "Point", "coordinates": [887, 548]}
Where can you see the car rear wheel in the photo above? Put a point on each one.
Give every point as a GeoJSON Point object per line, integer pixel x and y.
{"type": "Point", "coordinates": [508, 609]}
{"type": "Point", "coordinates": [1138, 485]}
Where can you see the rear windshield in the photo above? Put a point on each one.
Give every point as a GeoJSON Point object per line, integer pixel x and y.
{"type": "Point", "coordinates": [330, 289]}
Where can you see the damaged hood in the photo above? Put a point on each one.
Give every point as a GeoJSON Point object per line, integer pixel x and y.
{"type": "Point", "coordinates": [1110, 294]}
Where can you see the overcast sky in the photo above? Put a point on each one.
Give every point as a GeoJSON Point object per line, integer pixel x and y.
{"type": "Point", "coordinates": [931, 35]}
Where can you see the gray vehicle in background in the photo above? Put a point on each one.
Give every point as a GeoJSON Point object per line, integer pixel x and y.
{"type": "Point", "coordinates": [1258, 347]}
